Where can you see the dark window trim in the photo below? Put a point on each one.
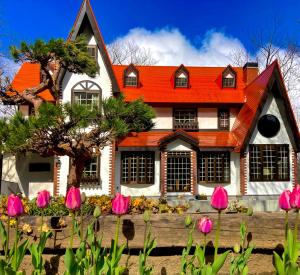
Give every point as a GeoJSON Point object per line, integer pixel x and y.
{"type": "Point", "coordinates": [229, 69]}
{"type": "Point", "coordinates": [182, 69]}
{"type": "Point", "coordinates": [96, 51]}
{"type": "Point", "coordinates": [206, 167]}
{"type": "Point", "coordinates": [260, 146]}
{"type": "Point", "coordinates": [194, 127]}
{"type": "Point", "coordinates": [131, 68]}
{"type": "Point", "coordinates": [149, 153]}
{"type": "Point", "coordinates": [219, 119]}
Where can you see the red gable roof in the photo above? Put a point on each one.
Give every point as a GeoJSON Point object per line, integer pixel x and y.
{"type": "Point", "coordinates": [28, 76]}
{"type": "Point", "coordinates": [156, 85]}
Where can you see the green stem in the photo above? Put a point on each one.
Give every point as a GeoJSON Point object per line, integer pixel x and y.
{"type": "Point", "coordinates": [72, 230]}
{"type": "Point", "coordinates": [7, 241]}
{"type": "Point", "coordinates": [81, 224]}
{"type": "Point", "coordinates": [286, 224]}
{"type": "Point", "coordinates": [204, 247]}
{"type": "Point", "coordinates": [42, 221]}
{"type": "Point", "coordinates": [116, 236]}
{"type": "Point", "coordinates": [16, 242]}
{"type": "Point", "coordinates": [217, 235]}
{"type": "Point", "coordinates": [145, 239]}
{"type": "Point", "coordinates": [296, 226]}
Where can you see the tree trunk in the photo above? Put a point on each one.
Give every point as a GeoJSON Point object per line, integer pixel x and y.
{"type": "Point", "coordinates": [76, 170]}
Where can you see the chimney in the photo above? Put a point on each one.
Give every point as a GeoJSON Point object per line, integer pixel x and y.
{"type": "Point", "coordinates": [250, 71]}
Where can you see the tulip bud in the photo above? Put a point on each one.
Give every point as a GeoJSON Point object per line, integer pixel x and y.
{"type": "Point", "coordinates": [188, 221]}
{"type": "Point", "coordinates": [43, 199]}
{"type": "Point", "coordinates": [250, 211]}
{"type": "Point", "coordinates": [284, 200]}
{"type": "Point", "coordinates": [83, 197]}
{"type": "Point", "coordinates": [219, 198]}
{"type": "Point", "coordinates": [205, 225]}
{"type": "Point", "coordinates": [120, 204]}
{"type": "Point", "coordinates": [73, 199]}
{"type": "Point", "coordinates": [97, 212]}
{"type": "Point", "coordinates": [14, 206]}
{"type": "Point", "coordinates": [146, 216]}
{"type": "Point", "coordinates": [295, 197]}
{"type": "Point", "coordinates": [236, 248]}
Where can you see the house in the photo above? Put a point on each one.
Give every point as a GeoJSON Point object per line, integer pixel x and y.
{"type": "Point", "coordinates": [214, 125]}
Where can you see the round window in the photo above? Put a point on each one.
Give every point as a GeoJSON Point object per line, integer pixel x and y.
{"type": "Point", "coordinates": [268, 126]}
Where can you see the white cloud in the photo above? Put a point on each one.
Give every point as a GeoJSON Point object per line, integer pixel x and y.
{"type": "Point", "coordinates": [171, 47]}
{"type": "Point", "coordinates": [8, 66]}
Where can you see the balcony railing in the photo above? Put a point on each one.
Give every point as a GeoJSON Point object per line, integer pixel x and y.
{"type": "Point", "coordinates": [186, 125]}
{"type": "Point", "coordinates": [90, 180]}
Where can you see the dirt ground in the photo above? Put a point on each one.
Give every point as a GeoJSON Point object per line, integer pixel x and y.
{"type": "Point", "coordinates": [163, 265]}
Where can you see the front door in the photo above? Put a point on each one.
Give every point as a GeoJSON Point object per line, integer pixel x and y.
{"type": "Point", "coordinates": [179, 172]}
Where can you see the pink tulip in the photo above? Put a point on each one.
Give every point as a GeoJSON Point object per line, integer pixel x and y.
{"type": "Point", "coordinates": [219, 198]}
{"type": "Point", "coordinates": [120, 204]}
{"type": "Point", "coordinates": [205, 225]}
{"type": "Point", "coordinates": [14, 206]}
{"type": "Point", "coordinates": [295, 197]}
{"type": "Point", "coordinates": [43, 199]}
{"type": "Point", "coordinates": [284, 200]}
{"type": "Point", "coordinates": [73, 199]}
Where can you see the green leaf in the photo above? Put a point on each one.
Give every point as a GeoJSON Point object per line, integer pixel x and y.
{"type": "Point", "coordinates": [70, 262]}
{"type": "Point", "coordinates": [278, 263]}
{"type": "Point", "coordinates": [219, 262]}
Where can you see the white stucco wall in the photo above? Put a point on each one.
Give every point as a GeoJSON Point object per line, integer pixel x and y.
{"type": "Point", "coordinates": [163, 119]}
{"type": "Point", "coordinates": [274, 187]}
{"type": "Point", "coordinates": [233, 188]}
{"type": "Point", "coordinates": [103, 81]}
{"type": "Point", "coordinates": [208, 118]}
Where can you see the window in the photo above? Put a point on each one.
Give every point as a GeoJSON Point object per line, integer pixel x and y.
{"type": "Point", "coordinates": [131, 80]}
{"type": "Point", "coordinates": [39, 167]}
{"type": "Point", "coordinates": [91, 174]}
{"type": "Point", "coordinates": [87, 93]}
{"type": "Point", "coordinates": [92, 50]}
{"type": "Point", "coordinates": [228, 78]}
{"type": "Point", "coordinates": [269, 162]}
{"type": "Point", "coordinates": [137, 167]}
{"type": "Point", "coordinates": [181, 77]}
{"type": "Point", "coordinates": [185, 119]}
{"type": "Point", "coordinates": [223, 119]}
{"type": "Point", "coordinates": [179, 172]}
{"type": "Point", "coordinates": [268, 126]}
{"type": "Point", "coordinates": [214, 167]}
{"type": "Point", "coordinates": [131, 76]}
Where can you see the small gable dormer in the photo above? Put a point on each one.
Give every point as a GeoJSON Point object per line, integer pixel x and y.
{"type": "Point", "coordinates": [181, 79]}
{"type": "Point", "coordinates": [131, 76]}
{"type": "Point", "coordinates": [229, 78]}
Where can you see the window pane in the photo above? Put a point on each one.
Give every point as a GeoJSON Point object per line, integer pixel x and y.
{"type": "Point", "coordinates": [228, 82]}
{"type": "Point", "coordinates": [137, 167]}
{"type": "Point", "coordinates": [181, 82]}
{"type": "Point", "coordinates": [214, 167]}
{"type": "Point", "coordinates": [223, 119]}
{"type": "Point", "coordinates": [269, 162]}
{"type": "Point", "coordinates": [91, 172]}
{"type": "Point", "coordinates": [87, 98]}
{"type": "Point", "coordinates": [130, 81]}
{"type": "Point", "coordinates": [185, 119]}
{"type": "Point", "coordinates": [283, 162]}
{"type": "Point", "coordinates": [255, 163]}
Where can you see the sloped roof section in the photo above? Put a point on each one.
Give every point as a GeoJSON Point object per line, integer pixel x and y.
{"type": "Point", "coordinates": [210, 139]}
{"type": "Point", "coordinates": [256, 93]}
{"type": "Point", "coordinates": [29, 76]}
{"type": "Point", "coordinates": [156, 85]}
{"type": "Point", "coordinates": [86, 11]}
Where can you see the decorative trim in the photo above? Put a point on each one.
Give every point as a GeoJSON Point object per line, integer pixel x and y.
{"type": "Point", "coordinates": [294, 167]}
{"type": "Point", "coordinates": [194, 190]}
{"type": "Point", "coordinates": [163, 173]}
{"type": "Point", "coordinates": [112, 162]}
{"type": "Point", "coordinates": [56, 176]}
{"type": "Point", "coordinates": [243, 173]}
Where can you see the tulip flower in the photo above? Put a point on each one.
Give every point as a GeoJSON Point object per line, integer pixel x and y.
{"type": "Point", "coordinates": [14, 206]}
{"type": "Point", "coordinates": [205, 225]}
{"type": "Point", "coordinates": [295, 197]}
{"type": "Point", "coordinates": [43, 199]}
{"type": "Point", "coordinates": [120, 204]}
{"type": "Point", "coordinates": [284, 200]}
{"type": "Point", "coordinates": [219, 198]}
{"type": "Point", "coordinates": [73, 199]}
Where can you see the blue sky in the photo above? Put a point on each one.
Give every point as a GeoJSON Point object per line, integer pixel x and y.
{"type": "Point", "coordinates": [32, 19]}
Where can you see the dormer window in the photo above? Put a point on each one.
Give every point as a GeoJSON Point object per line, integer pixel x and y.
{"type": "Point", "coordinates": [92, 50]}
{"type": "Point", "coordinates": [228, 78]}
{"type": "Point", "coordinates": [131, 76]}
{"type": "Point", "coordinates": [181, 77]}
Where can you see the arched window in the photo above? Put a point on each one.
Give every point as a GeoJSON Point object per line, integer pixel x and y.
{"type": "Point", "coordinates": [228, 78]}
{"type": "Point", "coordinates": [131, 76]}
{"type": "Point", "coordinates": [181, 77]}
{"type": "Point", "coordinates": [87, 93]}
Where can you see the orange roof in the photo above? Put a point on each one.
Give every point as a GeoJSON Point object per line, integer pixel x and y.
{"type": "Point", "coordinates": [156, 85]}
{"type": "Point", "coordinates": [28, 76]}
{"type": "Point", "coordinates": [152, 139]}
